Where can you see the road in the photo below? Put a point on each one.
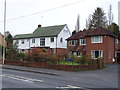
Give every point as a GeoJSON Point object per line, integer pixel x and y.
{"type": "Point", "coordinates": [23, 79]}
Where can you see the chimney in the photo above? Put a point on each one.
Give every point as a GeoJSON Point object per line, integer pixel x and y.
{"type": "Point", "coordinates": [39, 26]}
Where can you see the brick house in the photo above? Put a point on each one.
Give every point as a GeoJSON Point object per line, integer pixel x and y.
{"type": "Point", "coordinates": [96, 43]}
{"type": "Point", "coordinates": [1, 44]}
{"type": "Point", "coordinates": [50, 37]}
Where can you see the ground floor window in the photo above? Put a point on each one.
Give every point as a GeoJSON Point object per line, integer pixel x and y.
{"type": "Point", "coordinates": [96, 54]}
{"type": "Point", "coordinates": [77, 53]}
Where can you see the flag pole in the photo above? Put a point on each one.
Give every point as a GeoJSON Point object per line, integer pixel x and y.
{"type": "Point", "coordinates": [4, 33]}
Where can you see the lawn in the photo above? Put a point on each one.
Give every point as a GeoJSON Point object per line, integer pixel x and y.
{"type": "Point", "coordinates": [68, 63]}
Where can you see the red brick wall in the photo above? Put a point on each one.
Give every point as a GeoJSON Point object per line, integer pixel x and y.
{"type": "Point", "coordinates": [107, 47]}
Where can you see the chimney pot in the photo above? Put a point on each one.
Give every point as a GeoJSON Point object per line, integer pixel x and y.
{"type": "Point", "coordinates": [39, 26]}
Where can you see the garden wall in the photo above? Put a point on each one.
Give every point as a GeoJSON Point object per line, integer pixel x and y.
{"type": "Point", "coordinates": [54, 66]}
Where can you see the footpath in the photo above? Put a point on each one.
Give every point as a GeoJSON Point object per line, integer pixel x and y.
{"type": "Point", "coordinates": [110, 70]}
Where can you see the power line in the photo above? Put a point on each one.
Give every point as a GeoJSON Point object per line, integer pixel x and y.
{"type": "Point", "coordinates": [43, 11]}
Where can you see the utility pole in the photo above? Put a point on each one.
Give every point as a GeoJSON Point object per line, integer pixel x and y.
{"type": "Point", "coordinates": [4, 33]}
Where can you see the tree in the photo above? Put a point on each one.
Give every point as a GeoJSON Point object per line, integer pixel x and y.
{"type": "Point", "coordinates": [98, 19]}
{"type": "Point", "coordinates": [114, 28]}
{"type": "Point", "coordinates": [9, 40]}
{"type": "Point", "coordinates": [110, 15]}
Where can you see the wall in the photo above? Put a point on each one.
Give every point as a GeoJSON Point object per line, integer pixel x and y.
{"type": "Point", "coordinates": [1, 40]}
{"type": "Point", "coordinates": [65, 33]}
{"type": "Point", "coordinates": [107, 47]}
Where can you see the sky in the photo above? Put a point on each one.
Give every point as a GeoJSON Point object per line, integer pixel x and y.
{"type": "Point", "coordinates": [23, 16]}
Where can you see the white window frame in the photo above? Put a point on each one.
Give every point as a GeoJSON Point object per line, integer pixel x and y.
{"type": "Point", "coordinates": [82, 40]}
{"type": "Point", "coordinates": [99, 41]}
{"type": "Point", "coordinates": [17, 41]}
{"type": "Point", "coordinates": [71, 44]}
{"type": "Point", "coordinates": [41, 42]}
{"type": "Point", "coordinates": [93, 54]}
{"type": "Point", "coordinates": [33, 40]}
{"type": "Point", "coordinates": [51, 39]}
{"type": "Point", "coordinates": [61, 40]}
{"type": "Point", "coordinates": [22, 41]}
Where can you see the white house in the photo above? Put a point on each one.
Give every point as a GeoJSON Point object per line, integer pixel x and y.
{"type": "Point", "coordinates": [51, 37]}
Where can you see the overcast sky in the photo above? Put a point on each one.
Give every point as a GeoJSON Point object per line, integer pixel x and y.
{"type": "Point", "coordinates": [24, 15]}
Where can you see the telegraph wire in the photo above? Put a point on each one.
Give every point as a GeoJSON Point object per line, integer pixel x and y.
{"type": "Point", "coordinates": [44, 11]}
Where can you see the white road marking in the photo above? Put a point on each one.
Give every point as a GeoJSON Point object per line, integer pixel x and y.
{"type": "Point", "coordinates": [69, 86]}
{"type": "Point", "coordinates": [22, 78]}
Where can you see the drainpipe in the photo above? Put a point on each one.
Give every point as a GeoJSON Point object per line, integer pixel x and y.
{"type": "Point", "coordinates": [56, 44]}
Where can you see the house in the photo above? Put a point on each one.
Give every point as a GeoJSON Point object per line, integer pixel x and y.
{"type": "Point", "coordinates": [2, 43]}
{"type": "Point", "coordinates": [2, 40]}
{"type": "Point", "coordinates": [96, 43]}
{"type": "Point", "coordinates": [50, 37]}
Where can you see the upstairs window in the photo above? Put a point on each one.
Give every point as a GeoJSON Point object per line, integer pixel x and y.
{"type": "Point", "coordinates": [33, 40]}
{"type": "Point", "coordinates": [52, 39]}
{"type": "Point", "coordinates": [72, 42]}
{"type": "Point", "coordinates": [61, 40]}
{"type": "Point", "coordinates": [83, 41]}
{"type": "Point", "coordinates": [42, 41]}
{"type": "Point", "coordinates": [23, 42]}
{"type": "Point", "coordinates": [96, 39]}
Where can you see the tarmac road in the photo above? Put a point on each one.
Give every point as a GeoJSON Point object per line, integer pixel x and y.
{"type": "Point", "coordinates": [106, 78]}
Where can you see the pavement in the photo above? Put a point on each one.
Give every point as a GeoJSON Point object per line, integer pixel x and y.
{"type": "Point", "coordinates": [110, 69]}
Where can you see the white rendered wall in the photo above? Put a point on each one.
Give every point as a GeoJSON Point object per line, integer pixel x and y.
{"type": "Point", "coordinates": [65, 33]}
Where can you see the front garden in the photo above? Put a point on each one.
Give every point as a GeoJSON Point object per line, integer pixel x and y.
{"type": "Point", "coordinates": [43, 58]}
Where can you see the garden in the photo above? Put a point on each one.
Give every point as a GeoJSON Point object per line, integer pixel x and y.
{"type": "Point", "coordinates": [43, 58]}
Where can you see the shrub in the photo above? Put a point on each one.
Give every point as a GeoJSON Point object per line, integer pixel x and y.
{"type": "Point", "coordinates": [21, 56]}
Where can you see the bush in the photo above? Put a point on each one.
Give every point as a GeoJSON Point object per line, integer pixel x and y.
{"type": "Point", "coordinates": [21, 56]}
{"type": "Point", "coordinates": [53, 58]}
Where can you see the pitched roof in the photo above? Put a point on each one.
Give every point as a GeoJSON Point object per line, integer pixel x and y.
{"type": "Point", "coordinates": [100, 31]}
{"type": "Point", "coordinates": [22, 36]}
{"type": "Point", "coordinates": [96, 32]}
{"type": "Point", "coordinates": [48, 31]}
{"type": "Point", "coordinates": [42, 32]}
{"type": "Point", "coordinates": [78, 35]}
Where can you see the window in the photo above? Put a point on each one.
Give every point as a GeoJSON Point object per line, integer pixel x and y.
{"type": "Point", "coordinates": [82, 41]}
{"type": "Point", "coordinates": [42, 41]}
{"type": "Point", "coordinates": [17, 41]}
{"type": "Point", "coordinates": [22, 42]}
{"type": "Point", "coordinates": [72, 42]}
{"type": "Point", "coordinates": [33, 40]}
{"type": "Point", "coordinates": [61, 40]}
{"type": "Point", "coordinates": [97, 53]}
{"type": "Point", "coordinates": [78, 54]}
{"type": "Point", "coordinates": [117, 41]}
{"type": "Point", "coordinates": [52, 39]}
{"type": "Point", "coordinates": [96, 39]}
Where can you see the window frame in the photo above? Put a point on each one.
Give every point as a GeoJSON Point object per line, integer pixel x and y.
{"type": "Point", "coordinates": [22, 41]}
{"type": "Point", "coordinates": [33, 40]}
{"type": "Point", "coordinates": [61, 40]}
{"type": "Point", "coordinates": [98, 41]}
{"type": "Point", "coordinates": [100, 54]}
{"type": "Point", "coordinates": [83, 41]}
{"type": "Point", "coordinates": [71, 44]}
{"type": "Point", "coordinates": [41, 41]}
{"type": "Point", "coordinates": [52, 39]}
{"type": "Point", "coordinates": [17, 41]}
